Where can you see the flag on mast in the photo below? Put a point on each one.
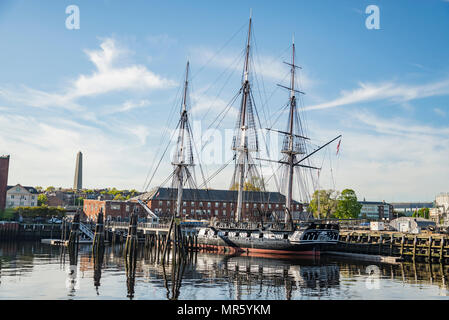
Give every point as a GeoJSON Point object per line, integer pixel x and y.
{"type": "Point", "coordinates": [338, 146]}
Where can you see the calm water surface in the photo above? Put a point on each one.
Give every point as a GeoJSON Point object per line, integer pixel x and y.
{"type": "Point", "coordinates": [40, 271]}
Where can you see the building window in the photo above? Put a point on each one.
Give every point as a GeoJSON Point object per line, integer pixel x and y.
{"type": "Point", "coordinates": [269, 206]}
{"type": "Point", "coordinates": [184, 203]}
{"type": "Point", "coordinates": [224, 204]}
{"type": "Point", "coordinates": [160, 203]}
{"type": "Point", "coordinates": [168, 203]}
{"type": "Point", "coordinates": [192, 203]}
{"type": "Point", "coordinates": [262, 206]}
{"type": "Point", "coordinates": [216, 212]}
{"type": "Point", "coordinates": [224, 212]}
{"type": "Point", "coordinates": [208, 205]}
{"type": "Point", "coordinates": [192, 211]}
{"type": "Point", "coordinates": [32, 197]}
{"type": "Point", "coordinates": [32, 204]}
{"type": "Point", "coordinates": [114, 207]}
{"type": "Point", "coordinates": [216, 204]}
{"type": "Point", "coordinates": [277, 205]}
{"type": "Point", "coordinates": [12, 196]}
{"type": "Point", "coordinates": [127, 208]}
{"type": "Point", "coordinates": [201, 204]}
{"type": "Point", "coordinates": [247, 205]}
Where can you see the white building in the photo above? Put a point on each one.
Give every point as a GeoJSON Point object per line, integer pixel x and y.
{"type": "Point", "coordinates": [19, 196]}
{"type": "Point", "coordinates": [442, 201]}
{"type": "Point", "coordinates": [441, 208]}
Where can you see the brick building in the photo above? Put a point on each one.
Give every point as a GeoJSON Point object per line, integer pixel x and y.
{"type": "Point", "coordinates": [4, 168]}
{"type": "Point", "coordinates": [198, 204]}
{"type": "Point", "coordinates": [112, 209]}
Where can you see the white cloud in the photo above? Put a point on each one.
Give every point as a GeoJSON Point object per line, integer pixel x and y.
{"type": "Point", "coordinates": [439, 112]}
{"type": "Point", "coordinates": [127, 106]}
{"type": "Point", "coordinates": [395, 92]}
{"type": "Point", "coordinates": [43, 152]}
{"type": "Point", "coordinates": [270, 68]}
{"type": "Point", "coordinates": [388, 159]}
{"type": "Point", "coordinates": [109, 76]}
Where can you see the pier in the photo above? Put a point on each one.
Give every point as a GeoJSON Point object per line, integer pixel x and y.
{"type": "Point", "coordinates": [430, 248]}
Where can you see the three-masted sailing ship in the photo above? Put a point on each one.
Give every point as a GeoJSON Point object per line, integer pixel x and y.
{"type": "Point", "coordinates": [308, 237]}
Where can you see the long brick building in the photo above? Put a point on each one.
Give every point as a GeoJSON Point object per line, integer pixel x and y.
{"type": "Point", "coordinates": [197, 204]}
{"type": "Point", "coordinates": [4, 168]}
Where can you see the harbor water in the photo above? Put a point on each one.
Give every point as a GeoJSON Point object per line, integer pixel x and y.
{"type": "Point", "coordinates": [31, 270]}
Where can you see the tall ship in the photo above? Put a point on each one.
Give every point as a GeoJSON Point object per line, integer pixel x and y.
{"type": "Point", "coordinates": [276, 236]}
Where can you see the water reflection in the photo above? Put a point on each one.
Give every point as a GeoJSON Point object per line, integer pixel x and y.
{"type": "Point", "coordinates": [206, 276]}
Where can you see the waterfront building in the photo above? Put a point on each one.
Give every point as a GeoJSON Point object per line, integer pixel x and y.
{"type": "Point", "coordinates": [78, 183]}
{"type": "Point", "coordinates": [442, 200]}
{"type": "Point", "coordinates": [199, 204]}
{"type": "Point", "coordinates": [21, 196]}
{"type": "Point", "coordinates": [441, 209]}
{"type": "Point", "coordinates": [376, 210]}
{"type": "Point", "coordinates": [112, 209]}
{"type": "Point", "coordinates": [4, 168]}
{"type": "Point", "coordinates": [408, 208]}
{"type": "Point", "coordinates": [411, 225]}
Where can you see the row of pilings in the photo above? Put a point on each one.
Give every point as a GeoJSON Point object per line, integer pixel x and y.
{"type": "Point", "coordinates": [173, 250]}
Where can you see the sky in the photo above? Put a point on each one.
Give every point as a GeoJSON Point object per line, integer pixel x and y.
{"type": "Point", "coordinates": [111, 89]}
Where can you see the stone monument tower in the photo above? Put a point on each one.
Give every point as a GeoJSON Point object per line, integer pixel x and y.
{"type": "Point", "coordinates": [78, 184]}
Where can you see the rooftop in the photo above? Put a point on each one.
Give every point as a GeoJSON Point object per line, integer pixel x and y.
{"type": "Point", "coordinates": [29, 189]}
{"type": "Point", "coordinates": [212, 195]}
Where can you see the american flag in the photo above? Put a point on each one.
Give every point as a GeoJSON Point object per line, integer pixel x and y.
{"type": "Point", "coordinates": [338, 146]}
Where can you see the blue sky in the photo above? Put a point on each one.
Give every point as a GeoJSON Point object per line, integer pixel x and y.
{"type": "Point", "coordinates": [109, 89]}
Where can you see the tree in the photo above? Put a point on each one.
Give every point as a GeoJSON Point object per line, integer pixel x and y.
{"type": "Point", "coordinates": [38, 188]}
{"type": "Point", "coordinates": [255, 184]}
{"type": "Point", "coordinates": [50, 189]}
{"type": "Point", "coordinates": [327, 203]}
{"type": "Point", "coordinates": [42, 199]}
{"type": "Point", "coordinates": [347, 205]}
{"type": "Point", "coordinates": [118, 196]}
{"type": "Point", "coordinates": [422, 213]}
{"type": "Point", "coordinates": [80, 201]}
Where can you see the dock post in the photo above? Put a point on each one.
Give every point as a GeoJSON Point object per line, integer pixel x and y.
{"type": "Point", "coordinates": [402, 245]}
{"type": "Point", "coordinates": [442, 250]}
{"type": "Point", "coordinates": [429, 254]}
{"type": "Point", "coordinates": [98, 242]}
{"type": "Point", "coordinates": [391, 244]}
{"type": "Point", "coordinates": [415, 242]}
{"type": "Point", "coordinates": [131, 239]}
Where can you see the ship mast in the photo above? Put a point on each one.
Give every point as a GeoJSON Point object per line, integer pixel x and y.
{"type": "Point", "coordinates": [180, 163]}
{"type": "Point", "coordinates": [243, 147]}
{"type": "Point", "coordinates": [290, 151]}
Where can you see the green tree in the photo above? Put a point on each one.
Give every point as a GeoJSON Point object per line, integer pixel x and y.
{"type": "Point", "coordinates": [80, 201]}
{"type": "Point", "coordinates": [50, 189]}
{"type": "Point", "coordinates": [347, 205]}
{"type": "Point", "coordinates": [327, 203]}
{"type": "Point", "coordinates": [422, 213]}
{"type": "Point", "coordinates": [42, 199]}
{"type": "Point", "coordinates": [118, 196]}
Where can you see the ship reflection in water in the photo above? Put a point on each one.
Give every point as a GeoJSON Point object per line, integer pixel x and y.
{"type": "Point", "coordinates": [36, 271]}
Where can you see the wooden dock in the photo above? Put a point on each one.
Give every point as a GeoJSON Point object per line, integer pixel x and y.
{"type": "Point", "coordinates": [428, 247]}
